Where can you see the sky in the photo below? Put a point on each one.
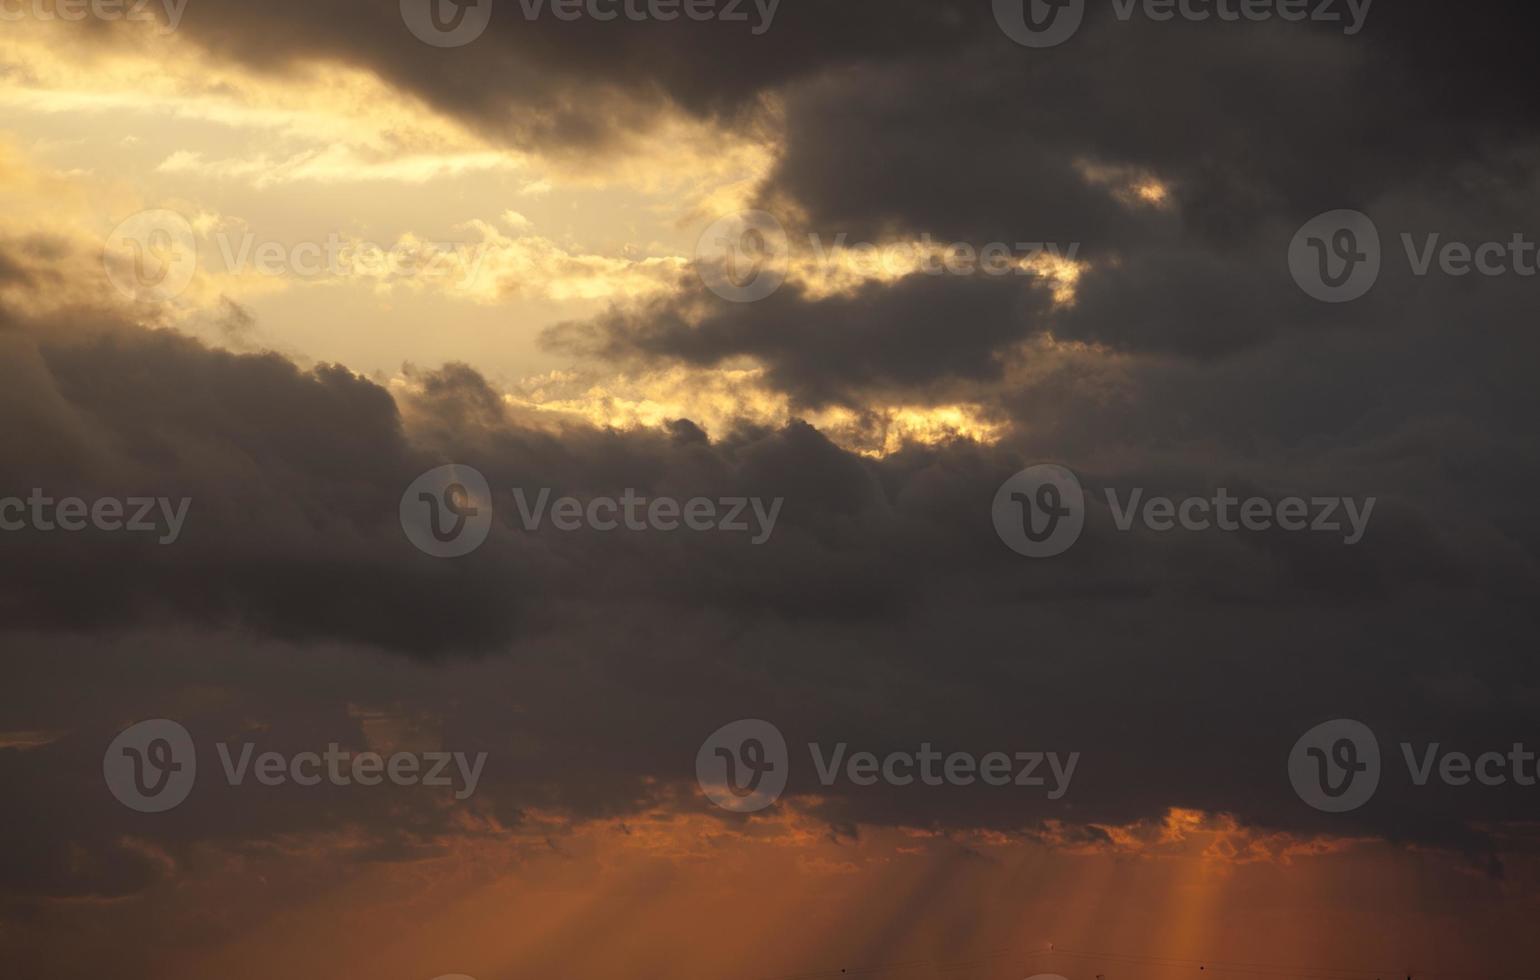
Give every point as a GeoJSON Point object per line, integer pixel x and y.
{"type": "Point", "coordinates": [895, 488]}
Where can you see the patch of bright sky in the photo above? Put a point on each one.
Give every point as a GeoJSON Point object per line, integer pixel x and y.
{"type": "Point", "coordinates": [335, 153]}
{"type": "Point", "coordinates": [332, 154]}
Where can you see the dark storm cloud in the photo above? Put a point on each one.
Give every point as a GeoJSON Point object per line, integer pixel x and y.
{"type": "Point", "coordinates": [554, 81]}
{"type": "Point", "coordinates": [553, 84]}
{"type": "Point", "coordinates": [883, 613]}
{"type": "Point", "coordinates": [1251, 129]}
{"type": "Point", "coordinates": [83, 842]}
{"type": "Point", "coordinates": [917, 332]}
{"type": "Point", "coordinates": [294, 478]}
{"type": "Point", "coordinates": [1240, 122]}
{"type": "Point", "coordinates": [121, 412]}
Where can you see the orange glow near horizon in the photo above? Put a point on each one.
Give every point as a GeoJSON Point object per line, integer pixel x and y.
{"type": "Point", "coordinates": [689, 894]}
